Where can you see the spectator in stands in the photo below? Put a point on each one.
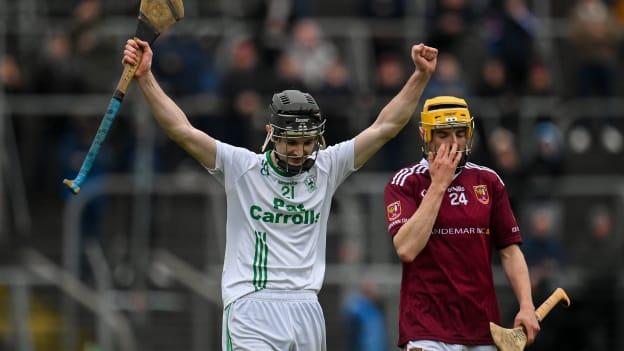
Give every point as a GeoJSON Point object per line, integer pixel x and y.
{"type": "Point", "coordinates": [57, 70]}
{"type": "Point", "coordinates": [508, 163]}
{"type": "Point", "coordinates": [335, 95]}
{"type": "Point", "coordinates": [279, 15]}
{"type": "Point", "coordinates": [494, 85]}
{"type": "Point", "coordinates": [543, 251]}
{"type": "Point", "coordinates": [91, 48]}
{"type": "Point", "coordinates": [540, 81]}
{"type": "Point", "coordinates": [269, 20]}
{"type": "Point", "coordinates": [493, 80]}
{"type": "Point", "coordinates": [450, 22]}
{"type": "Point", "coordinates": [600, 261]}
{"type": "Point", "coordinates": [337, 81]}
{"type": "Point", "coordinates": [364, 322]}
{"type": "Point", "coordinates": [448, 79]}
{"type": "Point", "coordinates": [389, 74]}
{"type": "Point", "coordinates": [592, 323]}
{"type": "Point", "coordinates": [313, 53]}
{"type": "Point", "coordinates": [11, 76]}
{"type": "Point", "coordinates": [549, 148]}
{"type": "Point", "coordinates": [545, 257]}
{"type": "Point", "coordinates": [242, 88]}
{"type": "Point", "coordinates": [510, 32]}
{"type": "Point", "coordinates": [595, 38]}
{"type": "Point", "coordinates": [183, 67]}
{"type": "Point", "coordinates": [287, 72]}
{"type": "Point", "coordinates": [87, 12]}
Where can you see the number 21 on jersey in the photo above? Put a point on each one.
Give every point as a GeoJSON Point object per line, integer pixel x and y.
{"type": "Point", "coordinates": [288, 191]}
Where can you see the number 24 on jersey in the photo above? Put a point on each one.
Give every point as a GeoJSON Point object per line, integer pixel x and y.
{"type": "Point", "coordinates": [458, 199]}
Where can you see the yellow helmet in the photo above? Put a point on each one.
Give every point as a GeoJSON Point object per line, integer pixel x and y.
{"type": "Point", "coordinates": [445, 112]}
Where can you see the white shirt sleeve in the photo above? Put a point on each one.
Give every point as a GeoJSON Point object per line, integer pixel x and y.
{"type": "Point", "coordinates": [231, 162]}
{"type": "Point", "coordinates": [339, 159]}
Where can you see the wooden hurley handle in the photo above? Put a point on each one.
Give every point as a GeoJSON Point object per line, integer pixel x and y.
{"type": "Point", "coordinates": [551, 302]}
{"type": "Point", "coordinates": [128, 73]}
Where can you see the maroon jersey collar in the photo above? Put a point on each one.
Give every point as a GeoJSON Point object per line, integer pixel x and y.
{"type": "Point", "coordinates": [426, 164]}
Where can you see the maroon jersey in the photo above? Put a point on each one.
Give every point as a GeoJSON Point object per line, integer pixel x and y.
{"type": "Point", "coordinates": [447, 292]}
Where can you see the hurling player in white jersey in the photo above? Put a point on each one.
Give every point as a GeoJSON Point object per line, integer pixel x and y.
{"type": "Point", "coordinates": [278, 203]}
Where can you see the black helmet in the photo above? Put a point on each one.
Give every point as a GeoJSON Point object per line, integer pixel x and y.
{"type": "Point", "coordinates": [295, 114]}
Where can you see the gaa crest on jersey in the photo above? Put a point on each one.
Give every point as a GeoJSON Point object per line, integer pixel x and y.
{"type": "Point", "coordinates": [310, 183]}
{"type": "Point", "coordinates": [394, 210]}
{"type": "Point", "coordinates": [482, 194]}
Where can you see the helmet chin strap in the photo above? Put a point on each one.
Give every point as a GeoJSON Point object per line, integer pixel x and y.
{"type": "Point", "coordinates": [291, 170]}
{"type": "Point", "coordinates": [282, 160]}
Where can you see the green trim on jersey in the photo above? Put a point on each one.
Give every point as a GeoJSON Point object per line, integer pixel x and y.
{"type": "Point", "coordinates": [273, 166]}
{"type": "Point", "coordinates": [260, 261]}
{"type": "Point", "coordinates": [228, 337]}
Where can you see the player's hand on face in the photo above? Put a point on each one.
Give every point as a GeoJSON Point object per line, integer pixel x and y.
{"type": "Point", "coordinates": [443, 163]}
{"type": "Point", "coordinates": [131, 56]}
{"type": "Point", "coordinates": [527, 319]}
{"type": "Point", "coordinates": [425, 58]}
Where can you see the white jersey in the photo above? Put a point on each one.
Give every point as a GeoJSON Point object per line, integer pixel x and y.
{"type": "Point", "coordinates": [277, 225]}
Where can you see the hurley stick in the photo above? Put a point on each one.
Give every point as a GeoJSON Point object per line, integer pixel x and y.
{"type": "Point", "coordinates": [515, 339]}
{"type": "Point", "coordinates": [155, 16]}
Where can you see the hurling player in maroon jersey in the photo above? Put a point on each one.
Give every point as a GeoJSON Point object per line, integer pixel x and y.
{"type": "Point", "coordinates": [445, 216]}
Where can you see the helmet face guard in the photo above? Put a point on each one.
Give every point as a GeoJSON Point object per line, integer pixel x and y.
{"type": "Point", "coordinates": [446, 112]}
{"type": "Point", "coordinates": [295, 115]}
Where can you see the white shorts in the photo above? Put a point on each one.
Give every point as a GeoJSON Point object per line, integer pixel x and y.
{"type": "Point", "coordinates": [274, 320]}
{"type": "Point", "coordinates": [431, 345]}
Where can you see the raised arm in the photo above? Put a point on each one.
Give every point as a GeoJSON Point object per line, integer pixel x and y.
{"type": "Point", "coordinates": [170, 117]}
{"type": "Point", "coordinates": [395, 115]}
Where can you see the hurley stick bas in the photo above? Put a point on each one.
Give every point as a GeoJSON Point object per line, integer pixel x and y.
{"type": "Point", "coordinates": [515, 339]}
{"type": "Point", "coordinates": [155, 16]}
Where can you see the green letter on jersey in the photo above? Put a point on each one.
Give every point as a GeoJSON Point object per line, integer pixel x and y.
{"type": "Point", "coordinates": [284, 213]}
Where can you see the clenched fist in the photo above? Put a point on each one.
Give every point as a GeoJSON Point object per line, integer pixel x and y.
{"type": "Point", "coordinates": [425, 58]}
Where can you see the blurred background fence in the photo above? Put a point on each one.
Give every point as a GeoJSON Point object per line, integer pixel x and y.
{"type": "Point", "coordinates": [134, 261]}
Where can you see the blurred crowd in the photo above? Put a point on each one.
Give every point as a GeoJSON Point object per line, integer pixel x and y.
{"type": "Point", "coordinates": [494, 53]}
{"type": "Point", "coordinates": [497, 54]}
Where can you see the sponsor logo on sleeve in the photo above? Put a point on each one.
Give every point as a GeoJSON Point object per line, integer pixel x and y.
{"type": "Point", "coordinates": [481, 192]}
{"type": "Point", "coordinates": [394, 210]}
